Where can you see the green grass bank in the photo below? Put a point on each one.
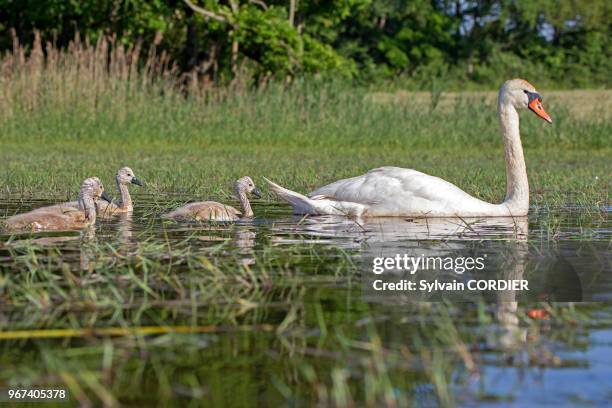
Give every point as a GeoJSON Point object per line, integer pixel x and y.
{"type": "Point", "coordinates": [301, 135]}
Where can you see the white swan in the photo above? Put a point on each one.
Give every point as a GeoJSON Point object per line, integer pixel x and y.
{"type": "Point", "coordinates": [394, 191]}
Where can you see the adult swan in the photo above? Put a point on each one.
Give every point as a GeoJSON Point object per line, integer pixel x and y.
{"type": "Point", "coordinates": [394, 191]}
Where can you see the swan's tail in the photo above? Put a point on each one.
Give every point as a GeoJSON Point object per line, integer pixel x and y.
{"type": "Point", "coordinates": [300, 203]}
{"type": "Point", "coordinates": [317, 205]}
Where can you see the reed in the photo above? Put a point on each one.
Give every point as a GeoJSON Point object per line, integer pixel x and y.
{"type": "Point", "coordinates": [106, 92]}
{"type": "Point", "coordinates": [155, 315]}
{"type": "Point", "coordinates": [110, 324]}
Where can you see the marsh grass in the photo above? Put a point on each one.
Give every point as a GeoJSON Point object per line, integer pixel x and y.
{"type": "Point", "coordinates": [90, 109]}
{"type": "Point", "coordinates": [87, 110]}
{"type": "Point", "coordinates": [143, 321]}
{"type": "Point", "coordinates": [108, 93]}
{"type": "Point", "coordinates": [121, 323]}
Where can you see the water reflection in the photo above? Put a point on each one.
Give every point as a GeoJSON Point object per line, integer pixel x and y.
{"type": "Point", "coordinates": [557, 250]}
{"type": "Point", "coordinates": [238, 238]}
{"type": "Point", "coordinates": [511, 335]}
{"type": "Point", "coordinates": [437, 237]}
{"type": "Point", "coordinates": [87, 255]}
{"type": "Point", "coordinates": [245, 243]}
{"type": "Point", "coordinates": [124, 228]}
{"type": "Point", "coordinates": [352, 233]}
{"type": "Point", "coordinates": [566, 250]}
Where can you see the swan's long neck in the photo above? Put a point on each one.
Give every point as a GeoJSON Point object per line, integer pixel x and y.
{"type": "Point", "coordinates": [88, 206]}
{"type": "Point", "coordinates": [126, 199]}
{"type": "Point", "coordinates": [245, 205]}
{"type": "Point", "coordinates": [517, 185]}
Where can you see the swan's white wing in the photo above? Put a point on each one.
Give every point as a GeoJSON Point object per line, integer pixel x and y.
{"type": "Point", "coordinates": [388, 191]}
{"type": "Point", "coordinates": [316, 205]}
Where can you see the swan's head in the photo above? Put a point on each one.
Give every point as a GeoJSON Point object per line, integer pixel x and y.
{"type": "Point", "coordinates": [522, 95]}
{"type": "Point", "coordinates": [246, 185]}
{"type": "Point", "coordinates": [92, 187]}
{"type": "Point", "coordinates": [125, 175]}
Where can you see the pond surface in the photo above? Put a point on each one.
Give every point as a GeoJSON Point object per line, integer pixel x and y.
{"type": "Point", "coordinates": [287, 313]}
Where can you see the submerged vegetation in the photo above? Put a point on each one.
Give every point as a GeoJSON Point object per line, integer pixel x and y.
{"type": "Point", "coordinates": [270, 311]}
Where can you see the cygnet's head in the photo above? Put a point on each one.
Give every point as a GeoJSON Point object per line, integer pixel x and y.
{"type": "Point", "coordinates": [125, 175]}
{"type": "Point", "coordinates": [246, 185]}
{"type": "Point", "coordinates": [92, 188]}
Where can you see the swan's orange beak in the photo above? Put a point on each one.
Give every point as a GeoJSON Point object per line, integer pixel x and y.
{"type": "Point", "coordinates": [536, 106]}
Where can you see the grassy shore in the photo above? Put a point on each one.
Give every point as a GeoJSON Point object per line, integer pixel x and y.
{"type": "Point", "coordinates": [558, 178]}
{"type": "Point", "coordinates": [65, 115]}
{"type": "Point", "coordinates": [301, 137]}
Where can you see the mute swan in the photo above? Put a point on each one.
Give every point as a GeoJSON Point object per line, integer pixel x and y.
{"type": "Point", "coordinates": [125, 176]}
{"type": "Point", "coordinates": [63, 216]}
{"type": "Point", "coordinates": [214, 211]}
{"type": "Point", "coordinates": [394, 191]}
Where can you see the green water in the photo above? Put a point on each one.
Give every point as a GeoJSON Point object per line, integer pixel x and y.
{"type": "Point", "coordinates": [289, 318]}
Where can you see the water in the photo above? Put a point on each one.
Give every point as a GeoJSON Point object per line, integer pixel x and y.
{"type": "Point", "coordinates": [302, 285]}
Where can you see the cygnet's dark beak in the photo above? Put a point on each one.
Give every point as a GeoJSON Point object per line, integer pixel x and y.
{"type": "Point", "coordinates": [137, 182]}
{"type": "Point", "coordinates": [256, 192]}
{"type": "Point", "coordinates": [105, 197]}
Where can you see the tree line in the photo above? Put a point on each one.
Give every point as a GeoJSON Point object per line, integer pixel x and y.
{"type": "Point", "coordinates": [562, 43]}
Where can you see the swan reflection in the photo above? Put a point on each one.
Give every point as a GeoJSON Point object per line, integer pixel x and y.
{"type": "Point", "coordinates": [435, 238]}
{"type": "Point", "coordinates": [88, 249]}
{"type": "Point", "coordinates": [125, 228]}
{"type": "Point", "coordinates": [352, 233]}
{"type": "Point", "coordinates": [241, 237]}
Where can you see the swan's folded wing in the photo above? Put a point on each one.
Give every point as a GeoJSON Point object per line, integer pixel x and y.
{"type": "Point", "coordinates": [397, 191]}
{"type": "Point", "coordinates": [374, 186]}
